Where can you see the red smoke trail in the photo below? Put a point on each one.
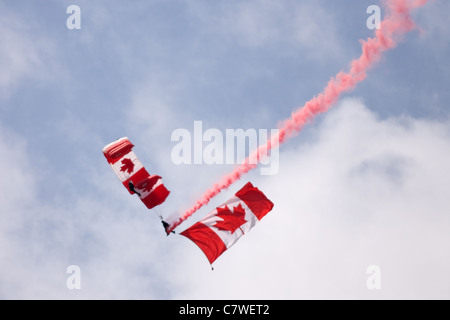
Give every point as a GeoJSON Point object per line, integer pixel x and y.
{"type": "Point", "coordinates": [397, 22]}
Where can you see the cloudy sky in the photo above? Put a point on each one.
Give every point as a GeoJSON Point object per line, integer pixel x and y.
{"type": "Point", "coordinates": [366, 184]}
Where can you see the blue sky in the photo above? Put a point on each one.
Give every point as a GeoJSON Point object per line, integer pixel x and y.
{"type": "Point", "coordinates": [366, 183]}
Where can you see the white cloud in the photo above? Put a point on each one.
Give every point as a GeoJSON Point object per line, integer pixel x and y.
{"type": "Point", "coordinates": [17, 189]}
{"type": "Point", "coordinates": [260, 23]}
{"type": "Point", "coordinates": [431, 23]}
{"type": "Point", "coordinates": [364, 192]}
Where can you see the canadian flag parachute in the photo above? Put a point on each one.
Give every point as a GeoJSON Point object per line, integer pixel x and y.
{"type": "Point", "coordinates": [222, 227]}
{"type": "Point", "coordinates": [133, 175]}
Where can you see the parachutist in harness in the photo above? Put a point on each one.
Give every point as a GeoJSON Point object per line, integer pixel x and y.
{"type": "Point", "coordinates": [132, 189]}
{"type": "Point", "coordinates": [166, 227]}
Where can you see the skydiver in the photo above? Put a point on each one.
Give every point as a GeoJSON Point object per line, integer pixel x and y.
{"type": "Point", "coordinates": [132, 189]}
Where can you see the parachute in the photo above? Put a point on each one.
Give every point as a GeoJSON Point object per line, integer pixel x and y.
{"type": "Point", "coordinates": [133, 175]}
{"type": "Point", "coordinates": [223, 226]}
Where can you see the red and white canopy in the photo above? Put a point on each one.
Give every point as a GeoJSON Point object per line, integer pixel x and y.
{"type": "Point", "coordinates": [222, 227]}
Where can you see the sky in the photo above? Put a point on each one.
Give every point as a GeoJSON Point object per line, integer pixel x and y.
{"type": "Point", "coordinates": [365, 184]}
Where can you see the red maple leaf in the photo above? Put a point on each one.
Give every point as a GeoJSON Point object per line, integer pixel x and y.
{"type": "Point", "coordinates": [127, 165]}
{"type": "Point", "coordinates": [231, 220]}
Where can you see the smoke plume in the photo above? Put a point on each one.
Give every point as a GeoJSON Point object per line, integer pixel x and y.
{"type": "Point", "coordinates": [397, 22]}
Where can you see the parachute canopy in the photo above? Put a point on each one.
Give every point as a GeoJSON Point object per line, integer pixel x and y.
{"type": "Point", "coordinates": [133, 175]}
{"type": "Point", "coordinates": [222, 227]}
